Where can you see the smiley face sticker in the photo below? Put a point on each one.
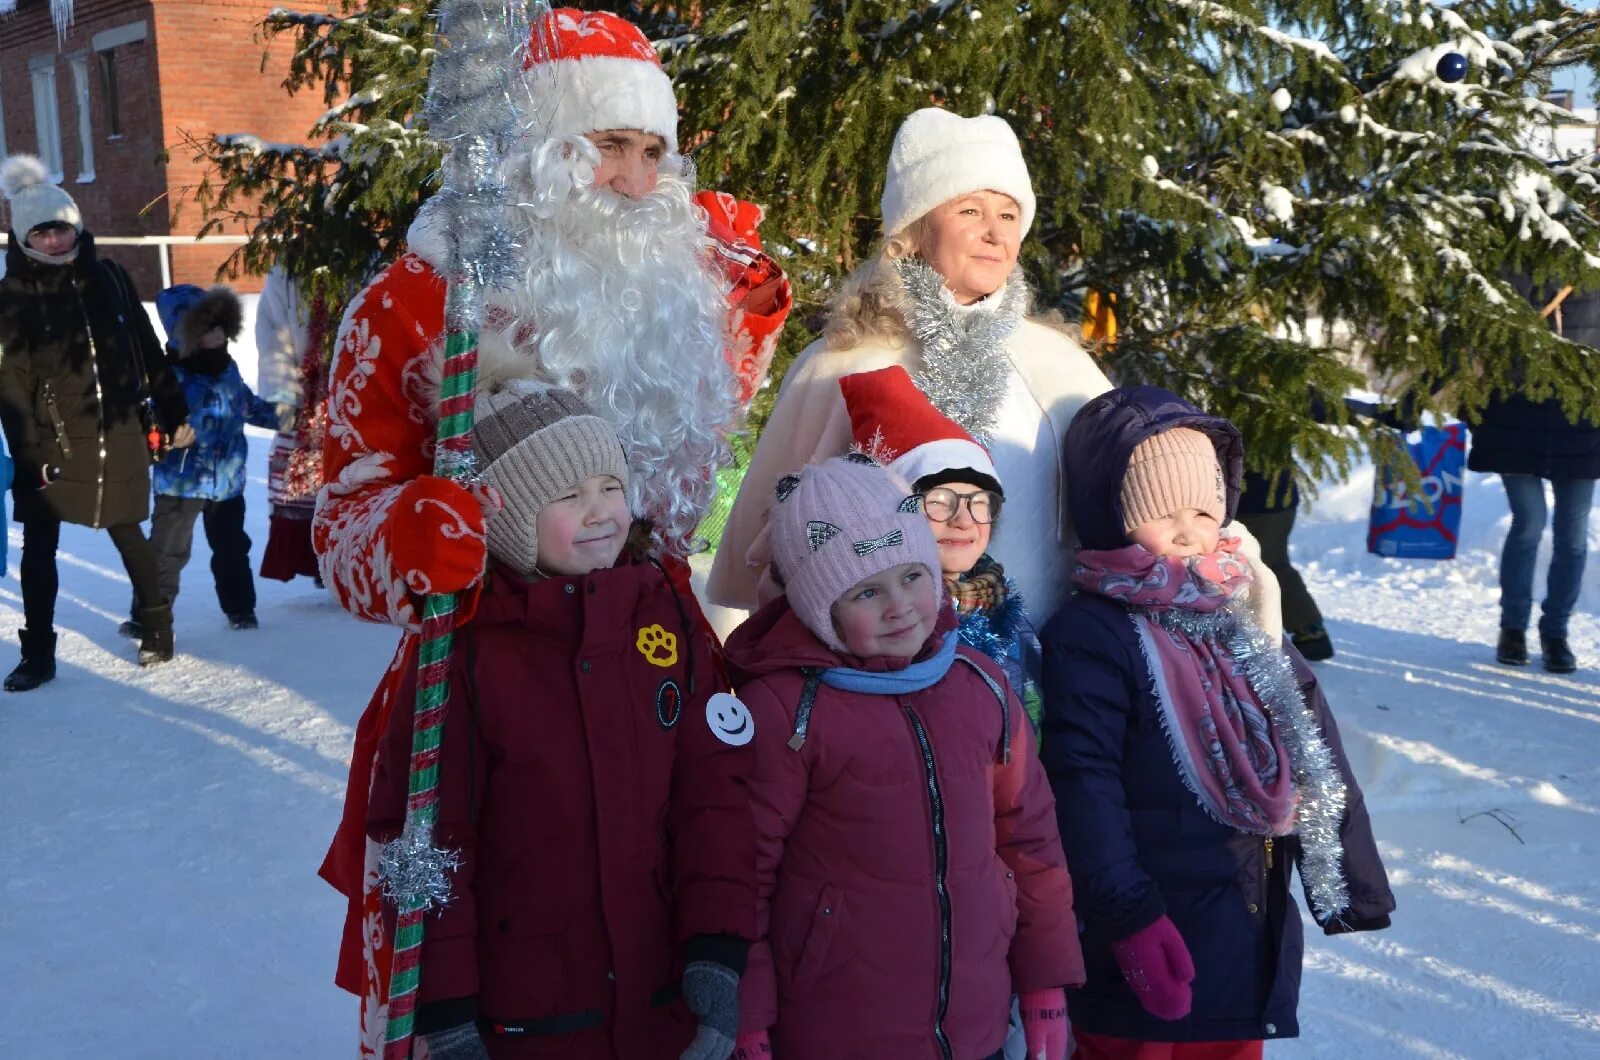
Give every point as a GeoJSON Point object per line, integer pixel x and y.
{"type": "Point", "coordinates": [730, 720]}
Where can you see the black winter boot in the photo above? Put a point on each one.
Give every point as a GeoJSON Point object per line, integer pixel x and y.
{"type": "Point", "coordinates": [156, 645]}
{"type": "Point", "coordinates": [1557, 655]}
{"type": "Point", "coordinates": [133, 629]}
{"type": "Point", "coordinates": [243, 620]}
{"type": "Point", "coordinates": [38, 663]}
{"type": "Point", "coordinates": [1513, 648]}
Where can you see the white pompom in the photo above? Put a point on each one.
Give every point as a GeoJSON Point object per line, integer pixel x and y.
{"type": "Point", "coordinates": [20, 172]}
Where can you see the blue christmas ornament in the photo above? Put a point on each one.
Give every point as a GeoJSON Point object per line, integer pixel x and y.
{"type": "Point", "coordinates": [1452, 67]}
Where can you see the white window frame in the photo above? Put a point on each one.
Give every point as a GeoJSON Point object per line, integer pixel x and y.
{"type": "Point", "coordinates": [79, 62]}
{"type": "Point", "coordinates": [46, 112]}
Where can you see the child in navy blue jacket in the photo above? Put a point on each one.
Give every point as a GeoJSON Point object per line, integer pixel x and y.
{"type": "Point", "coordinates": [1194, 760]}
{"type": "Point", "coordinates": [205, 481]}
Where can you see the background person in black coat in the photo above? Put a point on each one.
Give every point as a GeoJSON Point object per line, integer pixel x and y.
{"type": "Point", "coordinates": [1527, 443]}
{"type": "Point", "coordinates": [78, 358]}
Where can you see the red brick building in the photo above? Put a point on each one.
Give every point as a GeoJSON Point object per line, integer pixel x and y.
{"type": "Point", "coordinates": [109, 107]}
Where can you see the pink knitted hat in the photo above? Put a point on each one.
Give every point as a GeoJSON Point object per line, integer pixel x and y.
{"type": "Point", "coordinates": [838, 523]}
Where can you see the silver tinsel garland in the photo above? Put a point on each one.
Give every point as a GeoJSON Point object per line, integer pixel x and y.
{"type": "Point", "coordinates": [965, 370]}
{"type": "Point", "coordinates": [413, 870]}
{"type": "Point", "coordinates": [1320, 812]}
{"type": "Point", "coordinates": [472, 108]}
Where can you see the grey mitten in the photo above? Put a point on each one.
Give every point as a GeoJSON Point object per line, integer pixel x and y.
{"type": "Point", "coordinates": [288, 416]}
{"type": "Point", "coordinates": [711, 991]}
{"type": "Point", "coordinates": [461, 1042]}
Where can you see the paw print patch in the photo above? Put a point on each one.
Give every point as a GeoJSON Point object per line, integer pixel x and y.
{"type": "Point", "coordinates": [659, 647]}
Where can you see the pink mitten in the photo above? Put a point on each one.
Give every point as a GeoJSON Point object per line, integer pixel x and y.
{"type": "Point", "coordinates": [1044, 1023]}
{"type": "Point", "coordinates": [1156, 964]}
{"type": "Point", "coordinates": [752, 1045]}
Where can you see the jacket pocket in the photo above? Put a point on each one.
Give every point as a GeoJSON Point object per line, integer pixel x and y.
{"type": "Point", "coordinates": [1008, 893]}
{"type": "Point", "coordinates": [509, 911]}
{"type": "Point", "coordinates": [821, 935]}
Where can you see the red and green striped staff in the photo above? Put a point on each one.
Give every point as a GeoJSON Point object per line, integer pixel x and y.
{"type": "Point", "coordinates": [471, 107]}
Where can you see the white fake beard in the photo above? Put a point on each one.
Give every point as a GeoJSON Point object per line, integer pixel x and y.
{"type": "Point", "coordinates": [619, 304]}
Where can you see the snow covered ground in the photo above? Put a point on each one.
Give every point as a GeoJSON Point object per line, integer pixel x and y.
{"type": "Point", "coordinates": [160, 830]}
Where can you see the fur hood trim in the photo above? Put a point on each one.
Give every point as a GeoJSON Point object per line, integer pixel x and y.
{"type": "Point", "coordinates": [217, 308]}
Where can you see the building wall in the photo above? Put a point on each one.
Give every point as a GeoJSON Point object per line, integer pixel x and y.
{"type": "Point", "coordinates": [125, 196]}
{"type": "Point", "coordinates": [213, 80]}
{"type": "Point", "coordinates": [197, 70]}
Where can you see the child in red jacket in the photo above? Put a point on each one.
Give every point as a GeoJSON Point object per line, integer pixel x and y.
{"type": "Point", "coordinates": [590, 779]}
{"type": "Point", "coordinates": [911, 878]}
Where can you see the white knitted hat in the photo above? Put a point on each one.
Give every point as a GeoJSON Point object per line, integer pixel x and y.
{"type": "Point", "coordinates": [938, 156]}
{"type": "Point", "coordinates": [34, 200]}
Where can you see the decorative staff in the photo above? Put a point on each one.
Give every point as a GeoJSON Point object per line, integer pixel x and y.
{"type": "Point", "coordinates": [471, 107]}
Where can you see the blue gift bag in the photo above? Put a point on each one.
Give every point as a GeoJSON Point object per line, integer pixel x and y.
{"type": "Point", "coordinates": [1427, 523]}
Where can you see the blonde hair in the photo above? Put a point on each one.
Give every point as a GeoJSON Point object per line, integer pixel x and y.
{"type": "Point", "coordinates": [872, 301]}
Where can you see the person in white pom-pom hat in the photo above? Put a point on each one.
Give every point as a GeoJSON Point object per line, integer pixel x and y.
{"type": "Point", "coordinates": [654, 304]}
{"type": "Point", "coordinates": [80, 364]}
{"type": "Point", "coordinates": [944, 298]}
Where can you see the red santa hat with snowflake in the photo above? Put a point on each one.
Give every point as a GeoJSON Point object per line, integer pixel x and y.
{"type": "Point", "coordinates": [893, 422]}
{"type": "Point", "coordinates": [590, 70]}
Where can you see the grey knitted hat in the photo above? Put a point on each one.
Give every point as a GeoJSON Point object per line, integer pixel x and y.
{"type": "Point", "coordinates": [534, 445]}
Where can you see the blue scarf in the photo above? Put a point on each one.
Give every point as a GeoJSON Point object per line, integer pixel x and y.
{"type": "Point", "coordinates": [914, 678]}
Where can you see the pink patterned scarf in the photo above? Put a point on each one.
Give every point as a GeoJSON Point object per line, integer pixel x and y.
{"type": "Point", "coordinates": [1224, 738]}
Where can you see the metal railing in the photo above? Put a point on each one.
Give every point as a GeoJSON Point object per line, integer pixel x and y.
{"type": "Point", "coordinates": [163, 243]}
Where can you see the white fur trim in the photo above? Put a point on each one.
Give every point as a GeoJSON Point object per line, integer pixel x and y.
{"type": "Point", "coordinates": [428, 240]}
{"type": "Point", "coordinates": [938, 156]}
{"type": "Point", "coordinates": [942, 455]}
{"type": "Point", "coordinates": [601, 92]}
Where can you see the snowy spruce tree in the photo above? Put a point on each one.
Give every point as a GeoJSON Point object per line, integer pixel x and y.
{"type": "Point", "coordinates": [1286, 200]}
{"type": "Point", "coordinates": [334, 209]}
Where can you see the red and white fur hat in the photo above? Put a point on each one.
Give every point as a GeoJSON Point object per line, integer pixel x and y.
{"type": "Point", "coordinates": [590, 70]}
{"type": "Point", "coordinates": [894, 423]}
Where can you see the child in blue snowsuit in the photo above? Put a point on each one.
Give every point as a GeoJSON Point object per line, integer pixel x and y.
{"type": "Point", "coordinates": [205, 481]}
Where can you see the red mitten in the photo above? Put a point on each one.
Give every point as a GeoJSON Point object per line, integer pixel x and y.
{"type": "Point", "coordinates": [1044, 1023]}
{"type": "Point", "coordinates": [1156, 964]}
{"type": "Point", "coordinates": [435, 535]}
{"type": "Point", "coordinates": [752, 1045]}
{"type": "Point", "coordinates": [731, 220]}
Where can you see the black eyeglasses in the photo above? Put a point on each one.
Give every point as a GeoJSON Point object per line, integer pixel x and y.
{"type": "Point", "coordinates": [942, 505]}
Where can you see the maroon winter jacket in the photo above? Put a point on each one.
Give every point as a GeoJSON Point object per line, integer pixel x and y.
{"type": "Point", "coordinates": [911, 876]}
{"type": "Point", "coordinates": [601, 823]}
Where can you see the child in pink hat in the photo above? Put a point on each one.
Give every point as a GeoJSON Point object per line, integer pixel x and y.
{"type": "Point", "coordinates": [962, 496]}
{"type": "Point", "coordinates": [911, 878]}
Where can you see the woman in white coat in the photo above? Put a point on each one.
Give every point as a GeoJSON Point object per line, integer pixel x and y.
{"type": "Point", "coordinates": [944, 298]}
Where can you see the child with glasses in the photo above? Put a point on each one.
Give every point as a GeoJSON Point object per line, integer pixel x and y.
{"type": "Point", "coordinates": [961, 496]}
